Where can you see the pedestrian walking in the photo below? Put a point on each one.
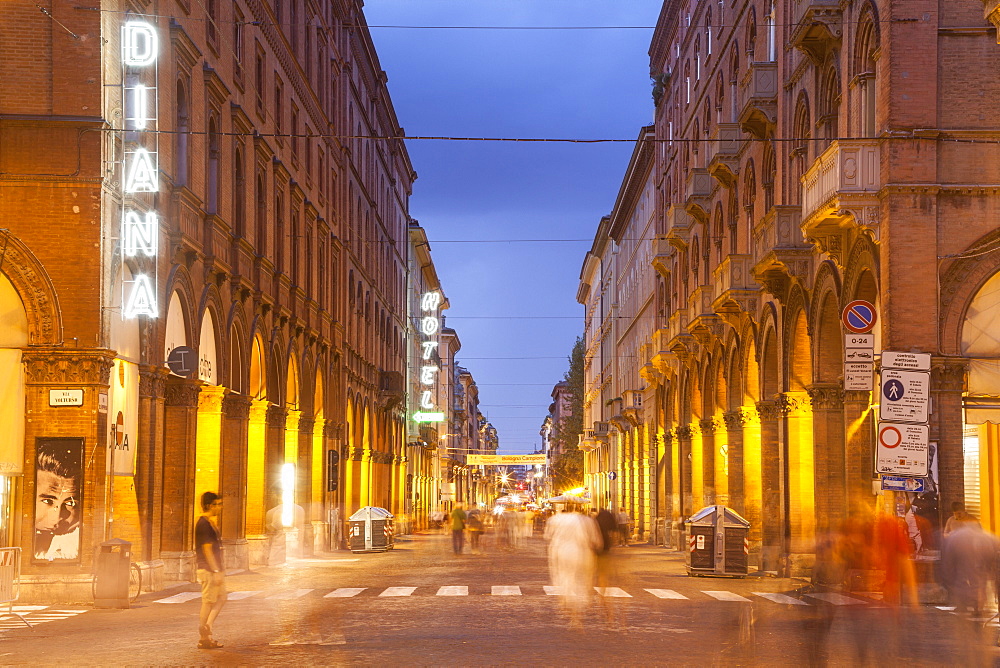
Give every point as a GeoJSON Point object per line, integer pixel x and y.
{"type": "Point", "coordinates": [574, 540]}
{"type": "Point", "coordinates": [474, 522]}
{"type": "Point", "coordinates": [211, 572]}
{"type": "Point", "coordinates": [458, 517]}
{"type": "Point", "coordinates": [623, 532]}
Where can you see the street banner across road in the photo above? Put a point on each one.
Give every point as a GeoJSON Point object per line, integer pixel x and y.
{"type": "Point", "coordinates": [504, 460]}
{"type": "Point", "coordinates": [901, 449]}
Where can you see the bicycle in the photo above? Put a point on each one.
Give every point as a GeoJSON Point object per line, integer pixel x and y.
{"type": "Point", "coordinates": [134, 583]}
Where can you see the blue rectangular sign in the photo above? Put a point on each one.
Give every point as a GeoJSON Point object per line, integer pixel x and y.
{"type": "Point", "coordinates": [896, 483]}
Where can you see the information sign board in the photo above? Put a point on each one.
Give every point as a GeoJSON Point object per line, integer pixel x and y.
{"type": "Point", "coordinates": [901, 449]}
{"type": "Point", "coordinates": [904, 395]}
{"type": "Point", "coordinates": [896, 483]}
{"type": "Point", "coordinates": [859, 376]}
{"type": "Point", "coordinates": [906, 361]}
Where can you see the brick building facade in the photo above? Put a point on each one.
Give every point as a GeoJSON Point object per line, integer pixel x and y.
{"type": "Point", "coordinates": [178, 175]}
{"type": "Point", "coordinates": [810, 153]}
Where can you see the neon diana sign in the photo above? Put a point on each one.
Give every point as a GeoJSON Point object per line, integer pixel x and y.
{"type": "Point", "coordinates": [430, 325]}
{"type": "Point", "coordinates": [140, 226]}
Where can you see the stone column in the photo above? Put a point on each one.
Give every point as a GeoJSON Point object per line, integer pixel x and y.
{"type": "Point", "coordinates": [713, 439]}
{"type": "Point", "coordinates": [275, 455]}
{"type": "Point", "coordinates": [304, 480]}
{"type": "Point", "coordinates": [744, 424]}
{"type": "Point", "coordinates": [772, 522]}
{"type": "Point", "coordinates": [233, 479]}
{"type": "Point", "coordinates": [178, 508]}
{"type": "Point", "coordinates": [149, 460]}
{"type": "Point", "coordinates": [827, 400]}
{"type": "Point", "coordinates": [859, 450]}
{"type": "Point", "coordinates": [801, 496]}
{"type": "Point", "coordinates": [733, 421]}
{"type": "Point", "coordinates": [699, 491]}
{"type": "Point", "coordinates": [687, 500]}
{"type": "Point", "coordinates": [948, 383]}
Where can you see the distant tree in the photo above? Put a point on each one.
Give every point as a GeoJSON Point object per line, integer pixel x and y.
{"type": "Point", "coordinates": [567, 469]}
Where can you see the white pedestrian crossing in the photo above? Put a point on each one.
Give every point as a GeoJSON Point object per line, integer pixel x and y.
{"type": "Point", "coordinates": [779, 598]}
{"type": "Point", "coordinates": [836, 599]}
{"type": "Point", "coordinates": [506, 590]}
{"type": "Point", "coordinates": [34, 615]}
{"type": "Point", "coordinates": [288, 594]}
{"type": "Point", "coordinates": [398, 591]}
{"type": "Point", "coordinates": [551, 590]}
{"type": "Point", "coordinates": [666, 593]}
{"type": "Point", "coordinates": [453, 591]}
{"type": "Point", "coordinates": [345, 592]}
{"type": "Point", "coordinates": [237, 595]}
{"type": "Point", "coordinates": [612, 592]}
{"type": "Point", "coordinates": [182, 597]}
{"type": "Point", "coordinates": [726, 596]}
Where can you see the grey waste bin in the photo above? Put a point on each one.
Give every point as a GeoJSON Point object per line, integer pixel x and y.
{"type": "Point", "coordinates": [111, 572]}
{"type": "Point", "coordinates": [371, 530]}
{"type": "Point", "coordinates": [717, 542]}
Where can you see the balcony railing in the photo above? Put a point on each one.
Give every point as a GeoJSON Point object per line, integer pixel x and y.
{"type": "Point", "coordinates": [723, 150]}
{"type": "Point", "coordinates": [844, 180]}
{"type": "Point", "coordinates": [699, 192]}
{"type": "Point", "coordinates": [817, 26]}
{"type": "Point", "coordinates": [760, 99]}
{"type": "Point", "coordinates": [663, 253]}
{"type": "Point", "coordinates": [679, 224]}
{"type": "Point", "coordinates": [991, 12]}
{"type": "Point", "coordinates": [733, 285]}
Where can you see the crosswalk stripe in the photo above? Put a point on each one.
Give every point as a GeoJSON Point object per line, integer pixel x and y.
{"type": "Point", "coordinates": [453, 591]}
{"type": "Point", "coordinates": [506, 590]}
{"type": "Point", "coordinates": [666, 593]}
{"type": "Point", "coordinates": [398, 591]}
{"type": "Point", "coordinates": [725, 596]}
{"type": "Point", "coordinates": [27, 608]}
{"type": "Point", "coordinates": [180, 598]}
{"type": "Point", "coordinates": [289, 594]}
{"type": "Point", "coordinates": [779, 598]}
{"type": "Point", "coordinates": [345, 592]}
{"type": "Point", "coordinates": [552, 590]}
{"type": "Point", "coordinates": [612, 592]}
{"type": "Point", "coordinates": [237, 595]}
{"type": "Point", "coordinates": [836, 599]}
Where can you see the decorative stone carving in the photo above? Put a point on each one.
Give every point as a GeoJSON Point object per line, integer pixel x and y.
{"type": "Point", "coordinates": [276, 416]}
{"type": "Point", "coordinates": [683, 431]}
{"type": "Point", "coordinates": [333, 429]}
{"type": "Point", "coordinates": [710, 425]}
{"type": "Point", "coordinates": [768, 411]}
{"type": "Point", "coordinates": [236, 406]}
{"type": "Point", "coordinates": [210, 398]}
{"type": "Point", "coordinates": [790, 404]}
{"type": "Point", "coordinates": [306, 424]}
{"type": "Point", "coordinates": [948, 374]}
{"type": "Point", "coordinates": [34, 287]}
{"type": "Point", "coordinates": [152, 380]}
{"type": "Point", "coordinates": [739, 418]}
{"type": "Point", "coordinates": [182, 393]}
{"type": "Point", "coordinates": [67, 367]}
{"type": "Point", "coordinates": [826, 396]}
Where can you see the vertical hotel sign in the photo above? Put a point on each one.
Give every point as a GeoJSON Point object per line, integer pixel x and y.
{"type": "Point", "coordinates": [430, 327]}
{"type": "Point", "coordinates": [140, 171]}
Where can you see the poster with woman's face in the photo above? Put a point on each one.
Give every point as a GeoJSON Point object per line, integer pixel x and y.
{"type": "Point", "coordinates": [58, 499]}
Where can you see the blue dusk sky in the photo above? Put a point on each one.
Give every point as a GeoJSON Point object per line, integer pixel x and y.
{"type": "Point", "coordinates": [510, 223]}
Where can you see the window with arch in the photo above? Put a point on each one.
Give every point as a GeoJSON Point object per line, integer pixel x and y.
{"type": "Point", "coordinates": [829, 107]}
{"type": "Point", "coordinates": [708, 33]}
{"type": "Point", "coordinates": [718, 232]}
{"type": "Point", "coordinates": [687, 81]}
{"type": "Point", "coordinates": [260, 214]}
{"type": "Point", "coordinates": [751, 35]}
{"type": "Point", "coordinates": [768, 170]}
{"type": "Point", "coordinates": [800, 147]}
{"type": "Point", "coordinates": [866, 48]}
{"type": "Point", "coordinates": [697, 59]}
{"type": "Point", "coordinates": [182, 122]}
{"type": "Point", "coordinates": [750, 197]}
{"type": "Point", "coordinates": [732, 216]}
{"type": "Point", "coordinates": [214, 154]}
{"type": "Point", "coordinates": [279, 229]}
{"type": "Point", "coordinates": [734, 76]}
{"type": "Point", "coordinates": [239, 194]}
{"type": "Point", "coordinates": [769, 23]}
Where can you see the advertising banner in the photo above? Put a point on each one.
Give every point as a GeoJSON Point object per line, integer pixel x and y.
{"type": "Point", "coordinates": [58, 499]}
{"type": "Point", "coordinates": [504, 460]}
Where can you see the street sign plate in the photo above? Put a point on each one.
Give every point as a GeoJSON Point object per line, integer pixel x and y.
{"type": "Point", "coordinates": [182, 361]}
{"type": "Point", "coordinates": [904, 395]}
{"type": "Point", "coordinates": [896, 483]}
{"type": "Point", "coordinates": [901, 449]}
{"type": "Point", "coordinates": [858, 376]}
{"type": "Point", "coordinates": [907, 361]}
{"type": "Point", "coordinates": [859, 355]}
{"type": "Point", "coordinates": [859, 316]}
{"type": "Point", "coordinates": [852, 340]}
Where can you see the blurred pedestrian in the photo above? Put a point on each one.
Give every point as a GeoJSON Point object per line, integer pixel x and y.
{"type": "Point", "coordinates": [958, 518]}
{"type": "Point", "coordinates": [474, 523]}
{"type": "Point", "coordinates": [574, 540]}
{"type": "Point", "coordinates": [211, 571]}
{"type": "Point", "coordinates": [458, 517]}
{"type": "Point", "coordinates": [925, 511]}
{"type": "Point", "coordinates": [623, 532]}
{"type": "Point", "coordinates": [968, 563]}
